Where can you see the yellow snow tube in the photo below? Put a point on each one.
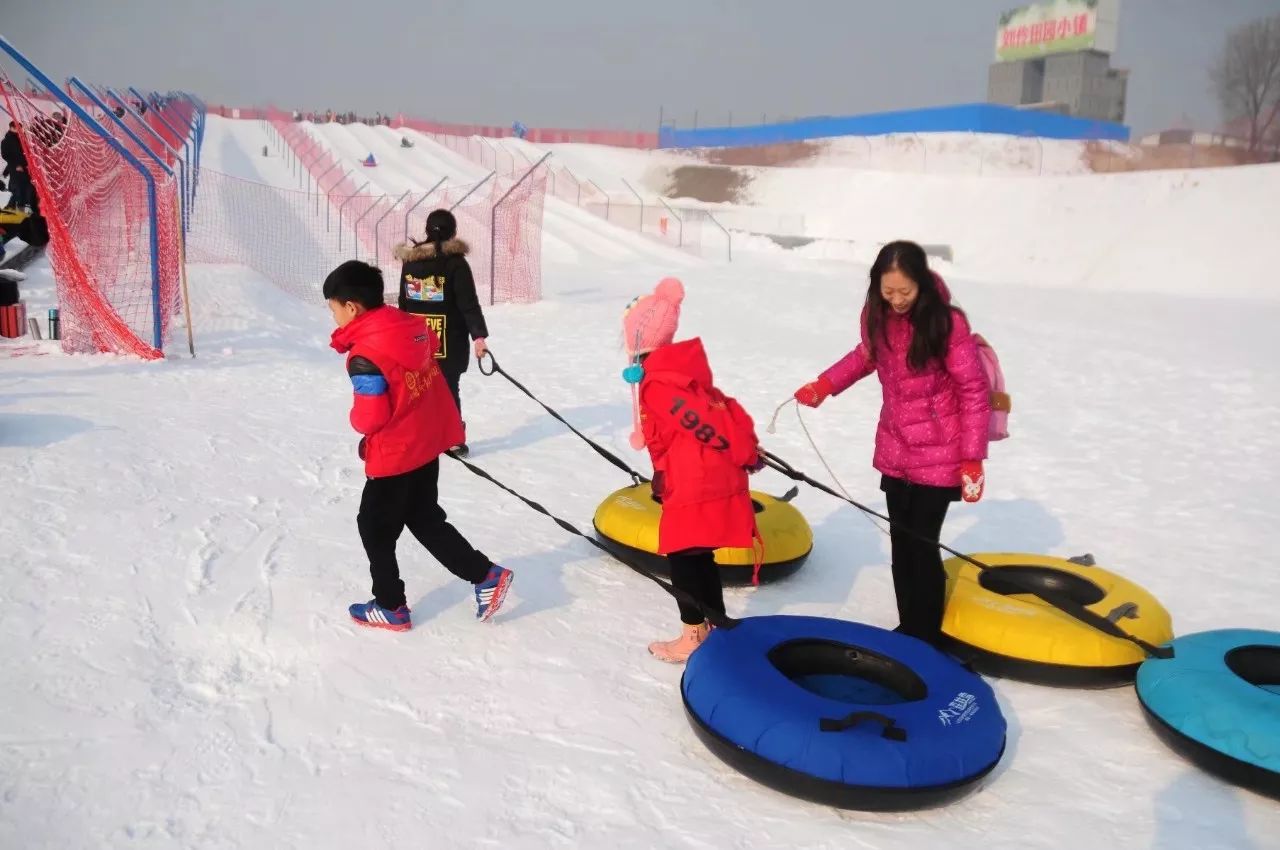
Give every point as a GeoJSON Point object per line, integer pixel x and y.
{"type": "Point", "coordinates": [1003, 630]}
{"type": "Point", "coordinates": [627, 523]}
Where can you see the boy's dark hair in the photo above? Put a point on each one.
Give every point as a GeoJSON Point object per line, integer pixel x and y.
{"type": "Point", "coordinates": [355, 281]}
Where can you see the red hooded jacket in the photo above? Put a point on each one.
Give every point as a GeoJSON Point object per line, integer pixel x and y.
{"type": "Point", "coordinates": [402, 404]}
{"type": "Point", "coordinates": [700, 441]}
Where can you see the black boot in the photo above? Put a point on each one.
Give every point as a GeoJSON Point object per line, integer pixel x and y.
{"type": "Point", "coordinates": [461, 449]}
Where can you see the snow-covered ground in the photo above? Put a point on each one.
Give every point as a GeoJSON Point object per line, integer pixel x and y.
{"type": "Point", "coordinates": [955, 153]}
{"type": "Point", "coordinates": [1197, 231]}
{"type": "Point", "coordinates": [180, 670]}
{"type": "Point", "coordinates": [986, 154]}
{"type": "Point", "coordinates": [570, 234]}
{"type": "Point", "coordinates": [1203, 232]}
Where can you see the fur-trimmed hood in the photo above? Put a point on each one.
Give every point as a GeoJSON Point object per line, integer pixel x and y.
{"type": "Point", "coordinates": [407, 252]}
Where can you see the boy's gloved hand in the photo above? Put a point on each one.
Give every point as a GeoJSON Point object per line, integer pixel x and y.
{"type": "Point", "coordinates": [362, 448]}
{"type": "Point", "coordinates": [757, 464]}
{"type": "Point", "coordinates": [814, 393]}
{"type": "Point", "coordinates": [973, 480]}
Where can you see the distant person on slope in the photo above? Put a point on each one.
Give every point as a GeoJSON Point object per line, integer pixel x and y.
{"type": "Point", "coordinates": [933, 432]}
{"type": "Point", "coordinates": [703, 445]}
{"type": "Point", "coordinates": [436, 283]}
{"type": "Point", "coordinates": [402, 408]}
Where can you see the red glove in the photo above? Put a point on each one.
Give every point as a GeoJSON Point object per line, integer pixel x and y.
{"type": "Point", "coordinates": [658, 485]}
{"type": "Point", "coordinates": [814, 393]}
{"type": "Point", "coordinates": [973, 480]}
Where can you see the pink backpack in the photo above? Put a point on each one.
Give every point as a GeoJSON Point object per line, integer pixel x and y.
{"type": "Point", "coordinates": [1001, 403]}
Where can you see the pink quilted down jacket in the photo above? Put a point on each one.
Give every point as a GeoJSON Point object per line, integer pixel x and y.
{"type": "Point", "coordinates": [931, 420]}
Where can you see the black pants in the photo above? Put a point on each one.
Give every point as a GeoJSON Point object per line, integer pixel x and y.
{"type": "Point", "coordinates": [919, 581]}
{"type": "Point", "coordinates": [21, 192]}
{"type": "Point", "coordinates": [695, 572]}
{"type": "Point", "coordinates": [452, 378]}
{"type": "Point", "coordinates": [388, 506]}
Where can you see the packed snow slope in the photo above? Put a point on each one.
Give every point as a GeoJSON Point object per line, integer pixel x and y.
{"type": "Point", "coordinates": [570, 234]}
{"type": "Point", "coordinates": [934, 153]}
{"type": "Point", "coordinates": [1198, 232]}
{"type": "Point", "coordinates": [1194, 231]}
{"type": "Point", "coordinates": [1207, 231]}
{"type": "Point", "coordinates": [181, 671]}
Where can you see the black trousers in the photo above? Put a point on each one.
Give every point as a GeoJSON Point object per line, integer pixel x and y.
{"type": "Point", "coordinates": [388, 506]}
{"type": "Point", "coordinates": [919, 582]}
{"type": "Point", "coordinates": [22, 192]}
{"type": "Point", "coordinates": [452, 379]}
{"type": "Point", "coordinates": [695, 572]}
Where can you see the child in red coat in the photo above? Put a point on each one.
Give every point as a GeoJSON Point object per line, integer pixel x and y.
{"type": "Point", "coordinates": [407, 415]}
{"type": "Point", "coordinates": [702, 444]}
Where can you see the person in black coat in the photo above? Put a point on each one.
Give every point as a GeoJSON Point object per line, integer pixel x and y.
{"type": "Point", "coordinates": [436, 283]}
{"type": "Point", "coordinates": [20, 188]}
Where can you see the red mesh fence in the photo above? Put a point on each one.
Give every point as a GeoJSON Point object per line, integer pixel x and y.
{"type": "Point", "coordinates": [279, 233]}
{"type": "Point", "coordinates": [517, 255]}
{"type": "Point", "coordinates": [484, 146]}
{"type": "Point", "coordinates": [499, 217]}
{"type": "Point", "coordinates": [116, 264]}
{"type": "Point", "coordinates": [681, 229]}
{"type": "Point", "coordinates": [155, 143]}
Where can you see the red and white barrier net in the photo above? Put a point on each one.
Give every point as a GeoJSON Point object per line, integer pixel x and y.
{"type": "Point", "coordinates": [295, 237]}
{"type": "Point", "coordinates": [116, 265]}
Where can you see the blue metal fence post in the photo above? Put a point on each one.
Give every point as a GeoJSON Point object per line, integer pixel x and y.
{"type": "Point", "coordinates": [191, 155]}
{"type": "Point", "coordinates": [186, 143]}
{"type": "Point", "coordinates": [137, 140]}
{"type": "Point", "coordinates": [182, 167]}
{"type": "Point", "coordinates": [199, 116]}
{"type": "Point", "coordinates": [79, 112]}
{"type": "Point", "coordinates": [150, 102]}
{"type": "Point", "coordinates": [202, 115]}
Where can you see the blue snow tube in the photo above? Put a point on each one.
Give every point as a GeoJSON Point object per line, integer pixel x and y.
{"type": "Point", "coordinates": [1216, 702]}
{"type": "Point", "coordinates": [841, 713]}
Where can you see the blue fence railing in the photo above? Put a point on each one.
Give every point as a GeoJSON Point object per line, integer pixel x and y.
{"type": "Point", "coordinates": [972, 117]}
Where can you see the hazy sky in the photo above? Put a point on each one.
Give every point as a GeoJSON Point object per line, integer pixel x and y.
{"type": "Point", "coordinates": [598, 63]}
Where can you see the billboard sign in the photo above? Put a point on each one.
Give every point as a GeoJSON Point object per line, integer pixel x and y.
{"type": "Point", "coordinates": [1057, 26]}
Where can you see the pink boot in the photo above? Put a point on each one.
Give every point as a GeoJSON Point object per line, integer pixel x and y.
{"type": "Point", "coordinates": [678, 651]}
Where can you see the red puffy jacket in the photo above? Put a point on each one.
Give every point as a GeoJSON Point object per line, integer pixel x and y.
{"type": "Point", "coordinates": [402, 404]}
{"type": "Point", "coordinates": [700, 441]}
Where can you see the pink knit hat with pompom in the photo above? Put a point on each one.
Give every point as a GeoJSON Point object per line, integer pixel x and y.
{"type": "Point", "coordinates": [648, 323]}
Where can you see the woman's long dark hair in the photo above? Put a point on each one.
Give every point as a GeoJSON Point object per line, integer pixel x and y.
{"type": "Point", "coordinates": [930, 316]}
{"type": "Point", "coordinates": [441, 227]}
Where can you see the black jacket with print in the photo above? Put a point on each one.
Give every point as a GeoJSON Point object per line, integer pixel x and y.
{"type": "Point", "coordinates": [439, 287]}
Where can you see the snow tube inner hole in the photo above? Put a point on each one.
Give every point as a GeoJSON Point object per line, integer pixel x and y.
{"type": "Point", "coordinates": [851, 674]}
{"type": "Point", "coordinates": [1257, 665]}
{"type": "Point", "coordinates": [1009, 581]}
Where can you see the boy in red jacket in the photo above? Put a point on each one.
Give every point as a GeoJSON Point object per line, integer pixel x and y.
{"type": "Point", "coordinates": [408, 418]}
{"type": "Point", "coordinates": [702, 444]}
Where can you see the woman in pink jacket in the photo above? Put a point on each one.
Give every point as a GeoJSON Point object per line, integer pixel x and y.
{"type": "Point", "coordinates": [932, 436]}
